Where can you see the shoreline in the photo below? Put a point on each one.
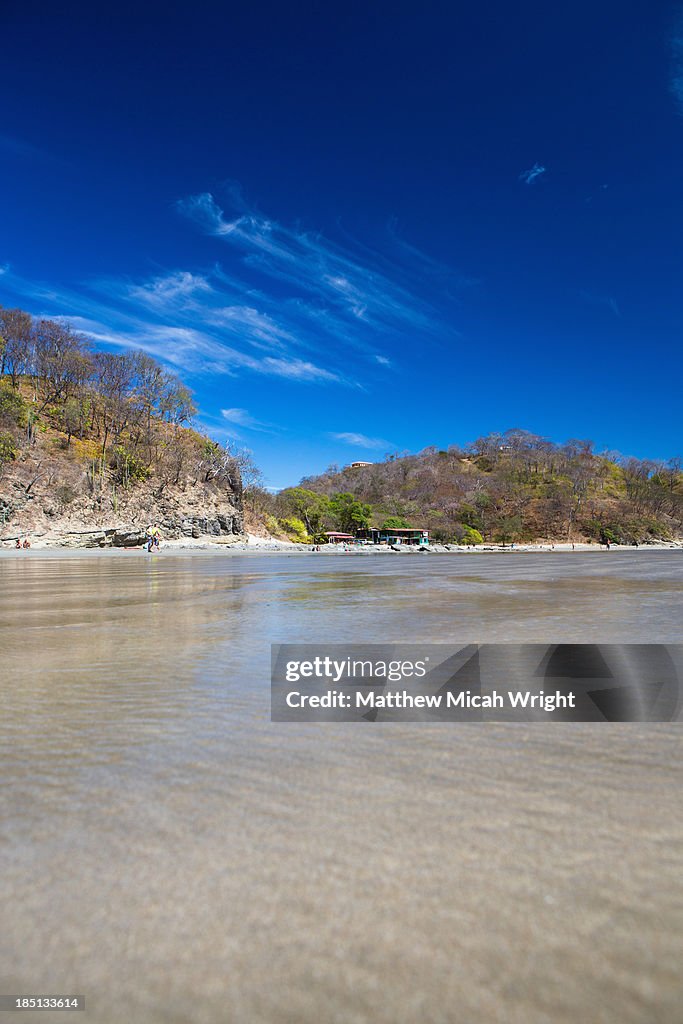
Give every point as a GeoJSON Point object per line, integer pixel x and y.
{"type": "Point", "coordinates": [261, 546]}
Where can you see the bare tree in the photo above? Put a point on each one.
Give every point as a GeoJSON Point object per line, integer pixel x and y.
{"type": "Point", "coordinates": [62, 359]}
{"type": "Point", "coordinates": [15, 346]}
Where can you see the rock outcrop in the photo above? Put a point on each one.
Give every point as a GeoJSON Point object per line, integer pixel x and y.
{"type": "Point", "coordinates": [194, 511]}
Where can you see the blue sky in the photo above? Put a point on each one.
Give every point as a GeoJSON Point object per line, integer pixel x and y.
{"type": "Point", "coordinates": [360, 228]}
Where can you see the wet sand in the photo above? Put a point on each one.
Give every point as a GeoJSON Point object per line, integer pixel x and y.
{"type": "Point", "coordinates": [173, 855]}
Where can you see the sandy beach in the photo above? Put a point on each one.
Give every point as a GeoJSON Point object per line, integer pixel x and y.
{"type": "Point", "coordinates": [174, 855]}
{"type": "Point", "coordinates": [253, 544]}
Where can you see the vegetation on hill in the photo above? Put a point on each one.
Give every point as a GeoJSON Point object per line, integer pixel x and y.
{"type": "Point", "coordinates": [90, 437]}
{"type": "Point", "coordinates": [97, 432]}
{"type": "Point", "coordinates": [505, 488]}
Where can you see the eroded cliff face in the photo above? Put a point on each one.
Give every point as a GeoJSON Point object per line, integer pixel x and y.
{"type": "Point", "coordinates": [52, 507]}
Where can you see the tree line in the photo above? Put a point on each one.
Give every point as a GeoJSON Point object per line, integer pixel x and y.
{"type": "Point", "coordinates": [130, 414]}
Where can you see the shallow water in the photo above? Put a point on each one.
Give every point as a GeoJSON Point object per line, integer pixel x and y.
{"type": "Point", "coordinates": [173, 855]}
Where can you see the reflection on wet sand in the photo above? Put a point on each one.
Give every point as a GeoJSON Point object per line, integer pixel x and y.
{"type": "Point", "coordinates": [174, 855]}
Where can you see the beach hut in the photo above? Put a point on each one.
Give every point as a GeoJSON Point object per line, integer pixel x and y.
{"type": "Point", "coordinates": [419, 538]}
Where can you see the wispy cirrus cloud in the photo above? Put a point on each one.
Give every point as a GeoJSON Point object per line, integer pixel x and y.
{"type": "Point", "coordinates": [243, 418]}
{"type": "Point", "coordinates": [284, 303]}
{"type": "Point", "coordinates": [361, 440]}
{"type": "Point", "coordinates": [452, 281]}
{"type": "Point", "coordinates": [113, 314]}
{"type": "Point", "coordinates": [346, 284]}
{"type": "Point", "coordinates": [530, 176]}
{"type": "Point", "coordinates": [178, 287]}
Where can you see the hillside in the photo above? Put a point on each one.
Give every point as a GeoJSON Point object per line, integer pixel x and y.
{"type": "Point", "coordinates": [96, 446]}
{"type": "Point", "coordinates": [505, 488]}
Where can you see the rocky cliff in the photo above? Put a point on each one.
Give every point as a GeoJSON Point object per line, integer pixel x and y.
{"type": "Point", "coordinates": [53, 511]}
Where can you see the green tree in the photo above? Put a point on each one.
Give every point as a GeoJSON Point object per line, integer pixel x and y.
{"type": "Point", "coordinates": [468, 515]}
{"type": "Point", "coordinates": [295, 529]}
{"type": "Point", "coordinates": [395, 523]}
{"type": "Point", "coordinates": [312, 508]}
{"type": "Point", "coordinates": [8, 447]}
{"type": "Point", "coordinates": [349, 514]}
{"type": "Point", "coordinates": [12, 406]}
{"type": "Point", "coordinates": [509, 529]}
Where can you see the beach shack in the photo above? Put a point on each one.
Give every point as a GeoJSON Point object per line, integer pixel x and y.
{"type": "Point", "coordinates": [394, 537]}
{"type": "Point", "coordinates": [339, 538]}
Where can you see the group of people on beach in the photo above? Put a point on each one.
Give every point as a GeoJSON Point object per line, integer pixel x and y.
{"type": "Point", "coordinates": [26, 544]}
